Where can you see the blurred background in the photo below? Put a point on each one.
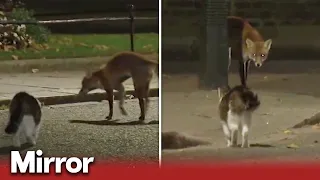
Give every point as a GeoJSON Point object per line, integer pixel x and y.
{"type": "Point", "coordinates": [293, 25]}
{"type": "Point", "coordinates": [77, 39]}
{"type": "Point", "coordinates": [68, 9]}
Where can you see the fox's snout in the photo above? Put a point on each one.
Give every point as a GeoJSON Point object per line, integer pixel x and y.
{"type": "Point", "coordinates": [258, 65]}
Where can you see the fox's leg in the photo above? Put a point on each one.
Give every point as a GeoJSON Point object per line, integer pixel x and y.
{"type": "Point", "coordinates": [242, 72]}
{"type": "Point", "coordinates": [122, 94]}
{"type": "Point", "coordinates": [139, 92]}
{"type": "Point", "coordinates": [246, 66]}
{"type": "Point", "coordinates": [229, 64]}
{"type": "Point", "coordinates": [139, 88]}
{"type": "Point", "coordinates": [141, 80]}
{"type": "Point", "coordinates": [110, 100]}
{"type": "Point", "coordinates": [146, 95]}
{"type": "Point", "coordinates": [226, 132]}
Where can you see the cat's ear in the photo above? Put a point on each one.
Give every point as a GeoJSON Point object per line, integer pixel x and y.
{"type": "Point", "coordinates": [222, 91]}
{"type": "Point", "coordinates": [88, 73]}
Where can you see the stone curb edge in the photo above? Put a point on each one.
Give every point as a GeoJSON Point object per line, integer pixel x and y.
{"type": "Point", "coordinates": [55, 100]}
{"type": "Point", "coordinates": [50, 65]}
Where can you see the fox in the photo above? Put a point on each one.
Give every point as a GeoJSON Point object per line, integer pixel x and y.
{"type": "Point", "coordinates": [24, 118]}
{"type": "Point", "coordinates": [246, 45]}
{"type": "Point", "coordinates": [119, 68]}
{"type": "Point", "coordinates": [236, 106]}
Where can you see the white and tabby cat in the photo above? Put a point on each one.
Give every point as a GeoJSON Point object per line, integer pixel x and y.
{"type": "Point", "coordinates": [235, 109]}
{"type": "Point", "coordinates": [24, 118]}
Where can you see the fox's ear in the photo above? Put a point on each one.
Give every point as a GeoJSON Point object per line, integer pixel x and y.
{"type": "Point", "coordinates": [267, 44]}
{"type": "Point", "coordinates": [249, 43]}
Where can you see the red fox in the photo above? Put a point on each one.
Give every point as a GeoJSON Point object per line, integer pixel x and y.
{"type": "Point", "coordinates": [119, 68]}
{"type": "Point", "coordinates": [246, 44]}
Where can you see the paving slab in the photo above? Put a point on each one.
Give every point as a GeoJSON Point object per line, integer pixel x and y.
{"type": "Point", "coordinates": [49, 84]}
{"type": "Point", "coordinates": [286, 99]}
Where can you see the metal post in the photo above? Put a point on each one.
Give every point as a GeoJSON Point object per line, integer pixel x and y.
{"type": "Point", "coordinates": [214, 50]}
{"type": "Point", "coordinates": [131, 17]}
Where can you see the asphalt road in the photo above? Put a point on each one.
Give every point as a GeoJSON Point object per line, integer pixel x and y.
{"type": "Point", "coordinates": [80, 130]}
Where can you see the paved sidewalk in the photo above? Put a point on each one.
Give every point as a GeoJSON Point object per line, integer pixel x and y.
{"type": "Point", "coordinates": [286, 99]}
{"type": "Point", "coordinates": [49, 84]}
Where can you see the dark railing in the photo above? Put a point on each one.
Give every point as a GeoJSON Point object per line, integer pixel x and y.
{"type": "Point", "coordinates": [131, 18]}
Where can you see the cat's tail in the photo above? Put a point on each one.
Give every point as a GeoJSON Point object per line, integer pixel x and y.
{"type": "Point", "coordinates": [222, 91]}
{"type": "Point", "coordinates": [15, 116]}
{"type": "Point", "coordinates": [175, 140]}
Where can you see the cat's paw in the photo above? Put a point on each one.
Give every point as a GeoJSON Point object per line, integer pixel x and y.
{"type": "Point", "coordinates": [16, 144]}
{"type": "Point", "coordinates": [246, 145]}
{"type": "Point", "coordinates": [32, 141]}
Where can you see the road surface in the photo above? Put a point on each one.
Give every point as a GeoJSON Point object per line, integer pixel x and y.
{"type": "Point", "coordinates": [80, 130]}
{"type": "Point", "coordinates": [286, 99]}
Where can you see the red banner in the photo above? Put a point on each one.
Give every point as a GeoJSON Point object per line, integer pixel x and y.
{"type": "Point", "coordinates": [181, 171]}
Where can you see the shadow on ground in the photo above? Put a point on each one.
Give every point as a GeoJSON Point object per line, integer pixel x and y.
{"type": "Point", "coordinates": [7, 149]}
{"type": "Point", "coordinates": [113, 123]}
{"type": "Point", "coordinates": [261, 145]}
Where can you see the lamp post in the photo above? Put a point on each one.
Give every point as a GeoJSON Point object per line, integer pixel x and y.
{"type": "Point", "coordinates": [214, 45]}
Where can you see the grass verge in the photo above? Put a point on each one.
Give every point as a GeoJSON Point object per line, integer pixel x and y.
{"type": "Point", "coordinates": [88, 45]}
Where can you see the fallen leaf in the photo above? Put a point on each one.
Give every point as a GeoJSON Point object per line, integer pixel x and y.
{"type": "Point", "coordinates": [60, 42]}
{"type": "Point", "coordinates": [317, 126]}
{"type": "Point", "coordinates": [287, 132]}
{"type": "Point", "coordinates": [45, 46]}
{"type": "Point", "coordinates": [14, 57]}
{"type": "Point", "coordinates": [66, 39]}
{"type": "Point", "coordinates": [8, 48]}
{"type": "Point", "coordinates": [35, 70]}
{"type": "Point", "coordinates": [83, 44]}
{"type": "Point", "coordinates": [292, 146]}
{"type": "Point", "coordinates": [100, 47]}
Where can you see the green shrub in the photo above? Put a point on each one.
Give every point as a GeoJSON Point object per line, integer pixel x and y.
{"type": "Point", "coordinates": [38, 33]}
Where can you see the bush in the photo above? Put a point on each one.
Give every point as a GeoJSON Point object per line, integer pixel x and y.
{"type": "Point", "coordinates": [13, 36]}
{"type": "Point", "coordinates": [39, 33]}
